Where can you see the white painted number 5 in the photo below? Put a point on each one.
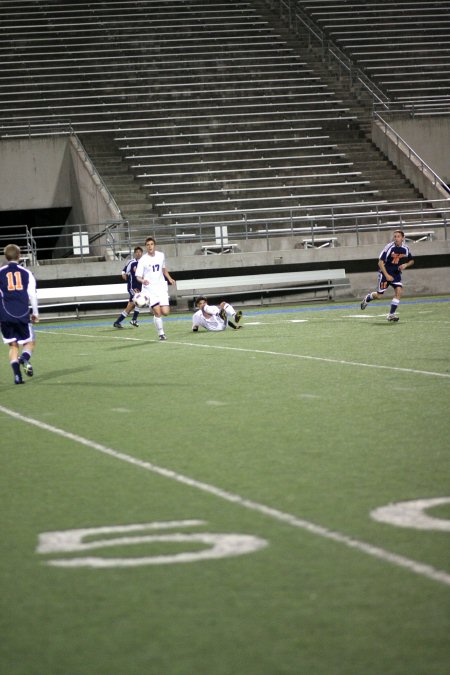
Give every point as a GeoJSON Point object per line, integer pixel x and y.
{"type": "Point", "coordinates": [82, 540]}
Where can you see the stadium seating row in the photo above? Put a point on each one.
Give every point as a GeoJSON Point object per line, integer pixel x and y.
{"type": "Point", "coordinates": [403, 47]}
{"type": "Point", "coordinates": [206, 104]}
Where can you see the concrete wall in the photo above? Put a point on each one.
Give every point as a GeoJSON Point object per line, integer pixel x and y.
{"type": "Point", "coordinates": [430, 138]}
{"type": "Point", "coordinates": [91, 201]}
{"type": "Point", "coordinates": [42, 173]}
{"type": "Point", "coordinates": [35, 174]}
{"type": "Point", "coordinates": [399, 154]}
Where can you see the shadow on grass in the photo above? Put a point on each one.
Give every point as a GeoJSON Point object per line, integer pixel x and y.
{"type": "Point", "coordinates": [49, 377]}
{"type": "Point", "coordinates": [388, 324]}
{"type": "Point", "coordinates": [52, 374]}
{"type": "Point", "coordinates": [115, 348]}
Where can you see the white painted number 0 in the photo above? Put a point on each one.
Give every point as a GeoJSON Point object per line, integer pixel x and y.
{"type": "Point", "coordinates": [73, 541]}
{"type": "Point", "coordinates": [413, 514]}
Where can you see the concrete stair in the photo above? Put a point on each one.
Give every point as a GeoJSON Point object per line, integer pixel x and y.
{"type": "Point", "coordinates": [128, 193]}
{"type": "Point", "coordinates": [222, 120]}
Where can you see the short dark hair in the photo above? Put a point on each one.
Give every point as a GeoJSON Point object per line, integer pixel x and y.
{"type": "Point", "coordinates": [401, 232]}
{"type": "Point", "coordinates": [138, 248]}
{"type": "Point", "coordinates": [200, 297]}
{"type": "Point", "coordinates": [150, 239]}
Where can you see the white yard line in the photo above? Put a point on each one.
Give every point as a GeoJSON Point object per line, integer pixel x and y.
{"type": "Point", "coordinates": [386, 556]}
{"type": "Point", "coordinates": [305, 357]}
{"type": "Point", "coordinates": [342, 362]}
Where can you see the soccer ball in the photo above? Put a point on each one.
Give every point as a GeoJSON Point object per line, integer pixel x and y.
{"type": "Point", "coordinates": [140, 300]}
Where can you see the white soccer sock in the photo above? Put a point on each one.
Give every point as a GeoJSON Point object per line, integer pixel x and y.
{"type": "Point", "coordinates": [157, 320]}
{"type": "Point", "coordinates": [229, 310]}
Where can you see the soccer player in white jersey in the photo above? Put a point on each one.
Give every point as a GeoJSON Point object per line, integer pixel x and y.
{"type": "Point", "coordinates": [17, 292]}
{"type": "Point", "coordinates": [213, 317]}
{"type": "Point", "coordinates": [154, 276]}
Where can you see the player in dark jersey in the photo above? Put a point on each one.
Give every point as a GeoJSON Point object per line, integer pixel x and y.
{"type": "Point", "coordinates": [133, 286]}
{"type": "Point", "coordinates": [17, 292]}
{"type": "Point", "coordinates": [394, 258]}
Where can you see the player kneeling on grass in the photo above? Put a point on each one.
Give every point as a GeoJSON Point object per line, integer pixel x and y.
{"type": "Point", "coordinates": [213, 317]}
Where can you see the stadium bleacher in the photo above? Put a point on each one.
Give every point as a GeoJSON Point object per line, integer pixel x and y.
{"type": "Point", "coordinates": [402, 46]}
{"type": "Point", "coordinates": [202, 107]}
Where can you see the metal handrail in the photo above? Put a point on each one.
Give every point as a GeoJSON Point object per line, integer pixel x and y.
{"type": "Point", "coordinates": [96, 177]}
{"type": "Point", "coordinates": [115, 240]}
{"type": "Point", "coordinates": [348, 210]}
{"type": "Point", "coordinates": [89, 240]}
{"type": "Point", "coordinates": [399, 141]}
{"type": "Point", "coordinates": [28, 247]}
{"type": "Point", "coordinates": [331, 52]}
{"type": "Point", "coordinates": [304, 226]}
{"type": "Point", "coordinates": [36, 128]}
{"type": "Point", "coordinates": [330, 49]}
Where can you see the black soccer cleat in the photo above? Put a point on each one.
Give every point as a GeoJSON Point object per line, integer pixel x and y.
{"type": "Point", "coordinates": [162, 338]}
{"type": "Point", "coordinates": [134, 323]}
{"type": "Point", "coordinates": [18, 379]}
{"type": "Point", "coordinates": [28, 368]}
{"type": "Point", "coordinates": [238, 316]}
{"type": "Point", "coordinates": [393, 317]}
{"type": "Point", "coordinates": [116, 324]}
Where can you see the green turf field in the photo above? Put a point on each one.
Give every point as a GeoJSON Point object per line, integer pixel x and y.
{"type": "Point", "coordinates": [252, 459]}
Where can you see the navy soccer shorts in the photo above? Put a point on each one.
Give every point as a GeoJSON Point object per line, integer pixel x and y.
{"type": "Point", "coordinates": [16, 331]}
{"type": "Point", "coordinates": [383, 283]}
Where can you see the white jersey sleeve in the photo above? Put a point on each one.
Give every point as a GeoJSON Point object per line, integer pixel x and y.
{"type": "Point", "coordinates": [140, 266]}
{"type": "Point", "coordinates": [32, 293]}
{"type": "Point", "coordinates": [196, 319]}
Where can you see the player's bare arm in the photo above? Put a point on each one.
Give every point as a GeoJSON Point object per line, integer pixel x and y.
{"type": "Point", "coordinates": [405, 265]}
{"type": "Point", "coordinates": [167, 276]}
{"type": "Point", "coordinates": [382, 268]}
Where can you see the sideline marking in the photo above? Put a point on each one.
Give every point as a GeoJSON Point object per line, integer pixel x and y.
{"type": "Point", "coordinates": [268, 352]}
{"type": "Point", "coordinates": [363, 316]}
{"type": "Point", "coordinates": [354, 306]}
{"type": "Point", "coordinates": [281, 516]}
{"type": "Point", "coordinates": [316, 358]}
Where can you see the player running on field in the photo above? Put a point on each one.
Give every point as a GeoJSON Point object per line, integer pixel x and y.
{"type": "Point", "coordinates": [394, 258]}
{"type": "Point", "coordinates": [154, 276]}
{"type": "Point", "coordinates": [133, 287]}
{"type": "Point", "coordinates": [17, 292]}
{"type": "Point", "coordinates": [213, 317]}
